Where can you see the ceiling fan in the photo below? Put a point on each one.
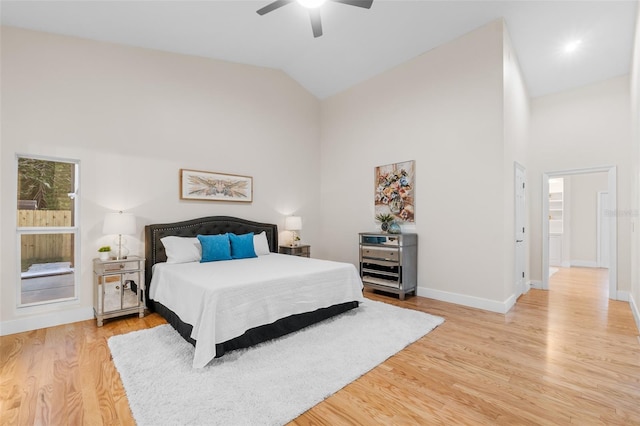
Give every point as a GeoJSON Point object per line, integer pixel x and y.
{"type": "Point", "coordinates": [314, 9]}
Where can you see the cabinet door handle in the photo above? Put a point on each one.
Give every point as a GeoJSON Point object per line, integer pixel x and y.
{"type": "Point", "coordinates": [519, 241]}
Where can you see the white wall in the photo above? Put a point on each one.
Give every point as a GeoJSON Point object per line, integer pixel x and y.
{"type": "Point", "coordinates": [577, 129]}
{"type": "Point", "coordinates": [134, 117]}
{"type": "Point", "coordinates": [516, 143]}
{"type": "Point", "coordinates": [443, 109]}
{"type": "Point", "coordinates": [583, 198]}
{"type": "Point", "coordinates": [635, 194]}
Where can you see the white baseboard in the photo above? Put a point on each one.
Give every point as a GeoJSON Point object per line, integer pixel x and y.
{"type": "Point", "coordinates": [470, 301]}
{"type": "Point", "coordinates": [536, 284]}
{"type": "Point", "coordinates": [623, 296]}
{"type": "Point", "coordinates": [46, 320]}
{"type": "Point", "coordinates": [584, 263]}
{"type": "Point", "coordinates": [635, 311]}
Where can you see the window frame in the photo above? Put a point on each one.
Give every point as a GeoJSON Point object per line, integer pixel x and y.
{"type": "Point", "coordinates": [36, 230]}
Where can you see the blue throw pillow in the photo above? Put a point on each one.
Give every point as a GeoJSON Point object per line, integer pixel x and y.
{"type": "Point", "coordinates": [242, 246]}
{"type": "Point", "coordinates": [215, 247]}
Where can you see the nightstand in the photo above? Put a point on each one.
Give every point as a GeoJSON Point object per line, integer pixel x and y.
{"type": "Point", "coordinates": [301, 250]}
{"type": "Point", "coordinates": [118, 288]}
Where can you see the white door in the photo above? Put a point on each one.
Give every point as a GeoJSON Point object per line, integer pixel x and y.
{"type": "Point", "coordinates": [603, 230]}
{"type": "Point", "coordinates": [520, 231]}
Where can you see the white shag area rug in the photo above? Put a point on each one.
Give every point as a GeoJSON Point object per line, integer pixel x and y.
{"type": "Point", "coordinates": [268, 384]}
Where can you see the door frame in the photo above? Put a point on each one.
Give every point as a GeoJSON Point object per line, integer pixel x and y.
{"type": "Point", "coordinates": [600, 219]}
{"type": "Point", "coordinates": [613, 228]}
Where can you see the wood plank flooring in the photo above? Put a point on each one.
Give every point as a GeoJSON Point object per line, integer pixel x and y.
{"type": "Point", "coordinates": [564, 356]}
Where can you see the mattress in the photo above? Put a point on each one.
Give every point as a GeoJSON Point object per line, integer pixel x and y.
{"type": "Point", "coordinates": [222, 300]}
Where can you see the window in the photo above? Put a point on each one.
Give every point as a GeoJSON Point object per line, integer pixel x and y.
{"type": "Point", "coordinates": [47, 218]}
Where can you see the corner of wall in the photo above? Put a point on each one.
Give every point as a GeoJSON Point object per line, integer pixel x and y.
{"type": "Point", "coordinates": [634, 298]}
{"type": "Point", "coordinates": [635, 310]}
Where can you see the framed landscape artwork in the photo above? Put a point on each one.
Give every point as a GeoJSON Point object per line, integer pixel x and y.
{"type": "Point", "coordinates": [394, 190]}
{"type": "Point", "coordinates": [210, 186]}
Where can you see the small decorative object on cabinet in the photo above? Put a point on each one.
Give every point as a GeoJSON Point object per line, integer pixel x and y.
{"type": "Point", "coordinates": [118, 288]}
{"type": "Point", "coordinates": [104, 252]}
{"type": "Point", "coordinates": [389, 262]}
{"type": "Point", "coordinates": [385, 220]}
{"type": "Point", "coordinates": [394, 228]}
{"type": "Point", "coordinates": [303, 250]}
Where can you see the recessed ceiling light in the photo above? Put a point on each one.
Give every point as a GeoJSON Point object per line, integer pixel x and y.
{"type": "Point", "coordinates": [572, 46]}
{"type": "Point", "coordinates": [311, 4]}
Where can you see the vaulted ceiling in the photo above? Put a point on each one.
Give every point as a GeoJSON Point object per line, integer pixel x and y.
{"type": "Point", "coordinates": [357, 43]}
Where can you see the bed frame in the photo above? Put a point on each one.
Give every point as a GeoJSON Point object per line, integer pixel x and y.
{"type": "Point", "coordinates": [155, 252]}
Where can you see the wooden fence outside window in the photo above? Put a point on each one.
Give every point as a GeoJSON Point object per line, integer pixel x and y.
{"type": "Point", "coordinates": [46, 246]}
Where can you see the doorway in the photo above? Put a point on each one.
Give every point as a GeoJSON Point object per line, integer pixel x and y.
{"type": "Point", "coordinates": [608, 204]}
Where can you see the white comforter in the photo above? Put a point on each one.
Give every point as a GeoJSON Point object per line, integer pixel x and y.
{"type": "Point", "coordinates": [221, 300]}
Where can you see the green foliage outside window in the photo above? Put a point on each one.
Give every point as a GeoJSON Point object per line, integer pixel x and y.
{"type": "Point", "coordinates": [47, 182]}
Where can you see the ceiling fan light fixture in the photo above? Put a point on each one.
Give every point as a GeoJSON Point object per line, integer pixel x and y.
{"type": "Point", "coordinates": [572, 46]}
{"type": "Point", "coordinates": [311, 4]}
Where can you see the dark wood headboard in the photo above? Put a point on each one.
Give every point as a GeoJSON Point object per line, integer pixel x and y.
{"type": "Point", "coordinates": [154, 250]}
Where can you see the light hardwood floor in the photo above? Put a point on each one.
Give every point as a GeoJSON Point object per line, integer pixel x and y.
{"type": "Point", "coordinates": [564, 356]}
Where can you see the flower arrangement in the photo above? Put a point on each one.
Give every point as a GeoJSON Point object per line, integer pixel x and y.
{"type": "Point", "coordinates": [394, 190]}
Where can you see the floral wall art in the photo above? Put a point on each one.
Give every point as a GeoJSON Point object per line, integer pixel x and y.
{"type": "Point", "coordinates": [395, 189]}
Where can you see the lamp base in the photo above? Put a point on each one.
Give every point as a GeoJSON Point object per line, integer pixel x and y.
{"type": "Point", "coordinates": [123, 251]}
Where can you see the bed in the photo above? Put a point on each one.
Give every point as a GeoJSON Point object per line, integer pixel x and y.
{"type": "Point", "coordinates": [232, 304]}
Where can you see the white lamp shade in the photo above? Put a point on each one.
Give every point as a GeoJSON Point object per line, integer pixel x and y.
{"type": "Point", "coordinates": [293, 223]}
{"type": "Point", "coordinates": [119, 223]}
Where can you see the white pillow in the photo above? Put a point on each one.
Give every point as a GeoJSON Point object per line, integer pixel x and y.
{"type": "Point", "coordinates": [182, 249]}
{"type": "Point", "coordinates": [260, 244]}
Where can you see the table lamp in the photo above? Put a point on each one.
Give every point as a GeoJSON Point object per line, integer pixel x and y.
{"type": "Point", "coordinates": [121, 224]}
{"type": "Point", "coordinates": [293, 224]}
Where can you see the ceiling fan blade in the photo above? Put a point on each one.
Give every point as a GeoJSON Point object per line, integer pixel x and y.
{"type": "Point", "coordinates": [273, 6]}
{"type": "Point", "coordinates": [316, 24]}
{"type": "Point", "coordinates": [360, 3]}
